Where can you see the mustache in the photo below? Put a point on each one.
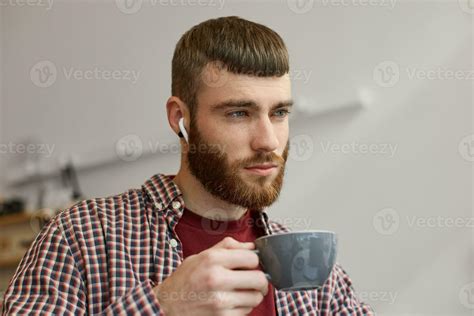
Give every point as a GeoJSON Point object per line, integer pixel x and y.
{"type": "Point", "coordinates": [263, 158]}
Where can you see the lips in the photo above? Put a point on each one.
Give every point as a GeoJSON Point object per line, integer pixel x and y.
{"type": "Point", "coordinates": [262, 167]}
{"type": "Point", "coordinates": [262, 170]}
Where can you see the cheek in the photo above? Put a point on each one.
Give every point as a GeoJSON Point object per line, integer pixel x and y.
{"type": "Point", "coordinates": [283, 137]}
{"type": "Point", "coordinates": [235, 140]}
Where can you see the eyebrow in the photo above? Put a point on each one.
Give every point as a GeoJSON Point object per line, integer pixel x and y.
{"type": "Point", "coordinates": [247, 104]}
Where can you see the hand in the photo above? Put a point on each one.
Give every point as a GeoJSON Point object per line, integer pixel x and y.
{"type": "Point", "coordinates": [221, 280]}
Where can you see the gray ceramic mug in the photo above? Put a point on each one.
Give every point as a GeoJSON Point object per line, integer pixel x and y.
{"type": "Point", "coordinates": [299, 260]}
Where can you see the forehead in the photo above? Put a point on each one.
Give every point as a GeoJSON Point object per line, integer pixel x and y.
{"type": "Point", "coordinates": [218, 86]}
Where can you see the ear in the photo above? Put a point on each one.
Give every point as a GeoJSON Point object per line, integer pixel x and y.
{"type": "Point", "coordinates": [177, 109]}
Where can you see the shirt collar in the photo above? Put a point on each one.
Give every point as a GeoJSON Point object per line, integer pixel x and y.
{"type": "Point", "coordinates": [167, 198]}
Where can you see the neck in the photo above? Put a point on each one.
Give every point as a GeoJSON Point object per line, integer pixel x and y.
{"type": "Point", "coordinates": [201, 202]}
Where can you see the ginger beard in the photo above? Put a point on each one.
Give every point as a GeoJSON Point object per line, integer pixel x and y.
{"type": "Point", "coordinates": [210, 165]}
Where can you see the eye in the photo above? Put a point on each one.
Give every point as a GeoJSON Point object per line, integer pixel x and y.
{"type": "Point", "coordinates": [237, 114]}
{"type": "Point", "coordinates": [282, 113]}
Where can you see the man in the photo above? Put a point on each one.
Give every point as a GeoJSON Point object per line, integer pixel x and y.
{"type": "Point", "coordinates": [180, 245]}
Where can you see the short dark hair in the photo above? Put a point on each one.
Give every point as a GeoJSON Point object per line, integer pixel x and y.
{"type": "Point", "coordinates": [235, 44]}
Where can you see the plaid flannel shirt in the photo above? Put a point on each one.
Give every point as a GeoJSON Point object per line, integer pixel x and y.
{"type": "Point", "coordinates": [105, 255]}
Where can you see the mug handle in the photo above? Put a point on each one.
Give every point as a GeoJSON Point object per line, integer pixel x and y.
{"type": "Point", "coordinates": [269, 278]}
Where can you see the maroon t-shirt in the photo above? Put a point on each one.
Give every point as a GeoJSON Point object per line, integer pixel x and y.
{"type": "Point", "coordinates": [198, 233]}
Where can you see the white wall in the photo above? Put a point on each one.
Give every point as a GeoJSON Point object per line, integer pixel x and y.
{"type": "Point", "coordinates": [422, 268]}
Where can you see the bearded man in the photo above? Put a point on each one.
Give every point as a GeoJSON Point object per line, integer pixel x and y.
{"type": "Point", "coordinates": [181, 244]}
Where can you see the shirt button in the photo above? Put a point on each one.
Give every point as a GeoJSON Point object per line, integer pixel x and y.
{"type": "Point", "coordinates": [173, 243]}
{"type": "Point", "coordinates": [176, 205]}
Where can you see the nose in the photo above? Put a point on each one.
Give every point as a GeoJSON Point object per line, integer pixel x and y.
{"type": "Point", "coordinates": [265, 138]}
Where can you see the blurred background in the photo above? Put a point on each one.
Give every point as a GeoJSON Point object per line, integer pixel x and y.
{"type": "Point", "coordinates": [382, 138]}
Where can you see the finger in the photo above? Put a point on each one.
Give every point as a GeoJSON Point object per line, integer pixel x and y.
{"type": "Point", "coordinates": [237, 299]}
{"type": "Point", "coordinates": [246, 280]}
{"type": "Point", "coordinates": [241, 311]}
{"type": "Point", "coordinates": [231, 243]}
{"type": "Point", "coordinates": [232, 258]}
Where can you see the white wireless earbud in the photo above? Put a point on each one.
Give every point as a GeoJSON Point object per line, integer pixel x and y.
{"type": "Point", "coordinates": [182, 129]}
